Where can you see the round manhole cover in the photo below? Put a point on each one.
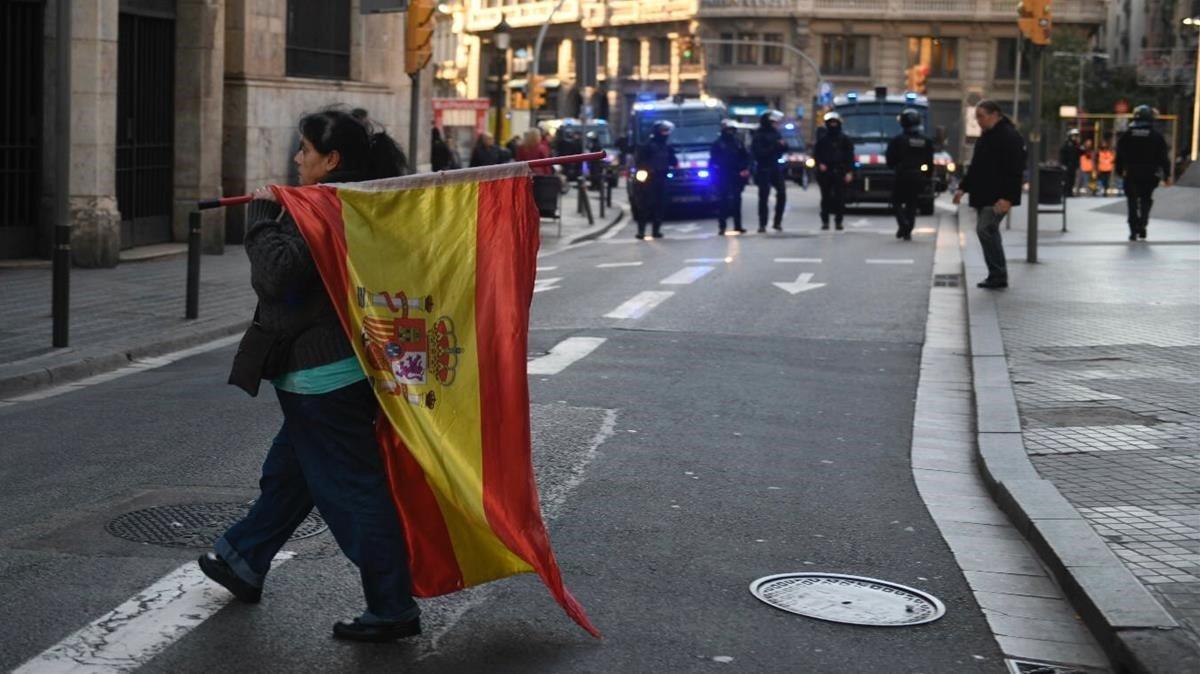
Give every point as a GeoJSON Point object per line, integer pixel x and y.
{"type": "Point", "coordinates": [848, 599]}
{"type": "Point", "coordinates": [193, 525]}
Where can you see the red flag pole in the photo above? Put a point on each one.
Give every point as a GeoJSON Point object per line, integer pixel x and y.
{"type": "Point", "coordinates": [205, 204]}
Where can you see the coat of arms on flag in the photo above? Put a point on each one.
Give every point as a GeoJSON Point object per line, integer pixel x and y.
{"type": "Point", "coordinates": [432, 277]}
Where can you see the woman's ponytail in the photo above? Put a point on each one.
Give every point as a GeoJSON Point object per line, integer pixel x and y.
{"type": "Point", "coordinates": [385, 159]}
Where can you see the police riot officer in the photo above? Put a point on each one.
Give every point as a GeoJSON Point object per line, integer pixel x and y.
{"type": "Point", "coordinates": [1141, 154]}
{"type": "Point", "coordinates": [910, 155]}
{"type": "Point", "coordinates": [834, 154]}
{"type": "Point", "coordinates": [651, 163]}
{"type": "Point", "coordinates": [768, 147]}
{"type": "Point", "coordinates": [1068, 156]}
{"type": "Point", "coordinates": [729, 161]}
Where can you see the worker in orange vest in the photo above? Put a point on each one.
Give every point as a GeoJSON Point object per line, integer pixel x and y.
{"type": "Point", "coordinates": [1087, 166]}
{"type": "Point", "coordinates": [1108, 160]}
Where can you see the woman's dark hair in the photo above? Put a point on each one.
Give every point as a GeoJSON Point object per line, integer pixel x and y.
{"type": "Point", "coordinates": [366, 153]}
{"type": "Point", "coordinates": [990, 107]}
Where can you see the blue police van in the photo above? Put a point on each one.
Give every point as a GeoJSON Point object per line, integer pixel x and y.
{"type": "Point", "coordinates": [697, 121]}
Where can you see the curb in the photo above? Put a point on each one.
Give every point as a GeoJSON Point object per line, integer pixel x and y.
{"type": "Point", "coordinates": [1134, 630]}
{"type": "Point", "coordinates": [22, 383]}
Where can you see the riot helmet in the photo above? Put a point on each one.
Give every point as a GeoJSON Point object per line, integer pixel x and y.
{"type": "Point", "coordinates": [728, 126]}
{"type": "Point", "coordinates": [770, 117]}
{"type": "Point", "coordinates": [1073, 134]}
{"type": "Point", "coordinates": [909, 118]}
{"type": "Point", "coordinates": [1143, 115]}
{"type": "Point", "coordinates": [663, 127]}
{"type": "Point", "coordinates": [833, 121]}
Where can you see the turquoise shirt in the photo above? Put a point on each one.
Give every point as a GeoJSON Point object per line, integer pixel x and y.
{"type": "Point", "coordinates": [321, 379]}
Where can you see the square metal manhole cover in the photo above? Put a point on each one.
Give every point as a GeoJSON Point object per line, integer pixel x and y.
{"type": "Point", "coordinates": [947, 280]}
{"type": "Point", "coordinates": [193, 525]}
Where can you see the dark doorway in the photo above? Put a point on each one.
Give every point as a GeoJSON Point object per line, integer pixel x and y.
{"type": "Point", "coordinates": [20, 126]}
{"type": "Point", "coordinates": [145, 121]}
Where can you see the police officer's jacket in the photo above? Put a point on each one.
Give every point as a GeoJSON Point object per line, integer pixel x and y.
{"type": "Point", "coordinates": [997, 167]}
{"type": "Point", "coordinates": [656, 156]}
{"type": "Point", "coordinates": [835, 150]}
{"type": "Point", "coordinates": [1141, 152]}
{"type": "Point", "coordinates": [908, 152]}
{"type": "Point", "coordinates": [1068, 155]}
{"type": "Point", "coordinates": [767, 149]}
{"type": "Point", "coordinates": [728, 157]}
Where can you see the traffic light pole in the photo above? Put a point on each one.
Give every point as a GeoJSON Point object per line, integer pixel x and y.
{"type": "Point", "coordinates": [60, 293]}
{"type": "Point", "coordinates": [1034, 145]}
{"type": "Point", "coordinates": [414, 117]}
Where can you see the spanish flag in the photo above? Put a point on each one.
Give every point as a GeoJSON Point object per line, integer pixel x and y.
{"type": "Point", "coordinates": [432, 276]}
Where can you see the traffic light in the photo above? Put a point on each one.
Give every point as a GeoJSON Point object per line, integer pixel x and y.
{"type": "Point", "coordinates": [418, 35]}
{"type": "Point", "coordinates": [915, 78]}
{"type": "Point", "coordinates": [537, 93]}
{"type": "Point", "coordinates": [1033, 18]}
{"type": "Point", "coordinates": [687, 47]}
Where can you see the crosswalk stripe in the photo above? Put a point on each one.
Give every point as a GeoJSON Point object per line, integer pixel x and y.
{"type": "Point", "coordinates": [888, 261]}
{"type": "Point", "coordinates": [133, 633]}
{"type": "Point", "coordinates": [686, 275]}
{"type": "Point", "coordinates": [614, 265]}
{"type": "Point", "coordinates": [563, 354]}
{"type": "Point", "coordinates": [807, 260]}
{"type": "Point", "coordinates": [640, 304]}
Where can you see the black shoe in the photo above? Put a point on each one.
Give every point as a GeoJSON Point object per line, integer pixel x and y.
{"type": "Point", "coordinates": [1142, 234]}
{"type": "Point", "coordinates": [899, 234]}
{"type": "Point", "coordinates": [721, 232]}
{"type": "Point", "coordinates": [739, 230]}
{"type": "Point", "coordinates": [908, 237]}
{"type": "Point", "coordinates": [762, 230]}
{"type": "Point", "coordinates": [824, 226]}
{"type": "Point", "coordinates": [992, 285]}
{"type": "Point", "coordinates": [1133, 237]}
{"type": "Point", "coordinates": [777, 227]}
{"type": "Point", "coordinates": [838, 226]}
{"type": "Point", "coordinates": [353, 630]}
{"type": "Point", "coordinates": [657, 235]}
{"type": "Point", "coordinates": [218, 570]}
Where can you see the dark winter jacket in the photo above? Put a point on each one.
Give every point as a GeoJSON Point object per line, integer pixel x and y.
{"type": "Point", "coordinates": [656, 156]}
{"type": "Point", "coordinates": [1068, 155]}
{"type": "Point", "coordinates": [727, 158]}
{"type": "Point", "coordinates": [767, 147]}
{"type": "Point", "coordinates": [836, 151]}
{"type": "Point", "coordinates": [908, 152]}
{"type": "Point", "coordinates": [486, 155]}
{"type": "Point", "coordinates": [291, 297]}
{"type": "Point", "coordinates": [1142, 152]}
{"type": "Point", "coordinates": [997, 168]}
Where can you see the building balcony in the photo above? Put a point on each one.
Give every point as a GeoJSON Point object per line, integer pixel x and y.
{"type": "Point", "coordinates": [634, 12]}
{"type": "Point", "coordinates": [1065, 11]}
{"type": "Point", "coordinates": [526, 14]}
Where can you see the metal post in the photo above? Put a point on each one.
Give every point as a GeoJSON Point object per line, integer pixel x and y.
{"type": "Point", "coordinates": [414, 118]}
{"type": "Point", "coordinates": [61, 257]}
{"type": "Point", "coordinates": [1195, 107]}
{"type": "Point", "coordinates": [1035, 143]}
{"type": "Point", "coordinates": [1017, 83]}
{"type": "Point", "coordinates": [193, 266]}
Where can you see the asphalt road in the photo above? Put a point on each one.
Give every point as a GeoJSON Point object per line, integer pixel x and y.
{"type": "Point", "coordinates": [732, 431]}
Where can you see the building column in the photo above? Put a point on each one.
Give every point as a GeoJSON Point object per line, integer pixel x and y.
{"type": "Point", "coordinates": [673, 76]}
{"type": "Point", "coordinates": [199, 97]}
{"type": "Point", "coordinates": [95, 220]}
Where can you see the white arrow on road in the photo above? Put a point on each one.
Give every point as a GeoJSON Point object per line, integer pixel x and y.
{"type": "Point", "coordinates": [543, 284]}
{"type": "Point", "coordinates": [801, 284]}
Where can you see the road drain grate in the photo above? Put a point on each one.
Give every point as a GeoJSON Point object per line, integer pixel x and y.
{"type": "Point", "coordinates": [947, 280]}
{"type": "Point", "coordinates": [1030, 667]}
{"type": "Point", "coordinates": [848, 599]}
{"type": "Point", "coordinates": [192, 525]}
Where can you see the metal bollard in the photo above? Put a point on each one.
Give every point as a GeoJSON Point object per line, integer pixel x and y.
{"type": "Point", "coordinates": [193, 266]}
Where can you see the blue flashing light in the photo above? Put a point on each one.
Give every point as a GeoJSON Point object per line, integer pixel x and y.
{"type": "Point", "coordinates": [670, 174]}
{"type": "Point", "coordinates": [781, 160]}
{"type": "Point", "coordinates": [910, 96]}
{"type": "Point", "coordinates": [852, 96]}
{"type": "Point", "coordinates": [789, 126]}
{"type": "Point", "coordinates": [857, 164]}
{"type": "Point", "coordinates": [702, 173]}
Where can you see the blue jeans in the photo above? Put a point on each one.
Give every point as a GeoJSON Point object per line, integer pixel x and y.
{"type": "Point", "coordinates": [326, 455]}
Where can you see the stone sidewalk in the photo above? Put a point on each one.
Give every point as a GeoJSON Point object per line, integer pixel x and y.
{"type": "Point", "coordinates": [135, 311]}
{"type": "Point", "coordinates": [1094, 354]}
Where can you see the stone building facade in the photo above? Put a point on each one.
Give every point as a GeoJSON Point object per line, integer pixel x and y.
{"type": "Point", "coordinates": [969, 47]}
{"type": "Point", "coordinates": [176, 100]}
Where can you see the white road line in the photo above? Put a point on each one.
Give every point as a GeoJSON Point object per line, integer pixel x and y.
{"type": "Point", "coordinates": [541, 285]}
{"type": "Point", "coordinates": [861, 222]}
{"type": "Point", "coordinates": [563, 354]}
{"type": "Point", "coordinates": [709, 260]}
{"type": "Point", "coordinates": [141, 628]}
{"type": "Point", "coordinates": [546, 268]}
{"type": "Point", "coordinates": [139, 365]}
{"type": "Point", "coordinates": [640, 304]}
{"type": "Point", "coordinates": [614, 265]}
{"type": "Point", "coordinates": [686, 275]}
{"type": "Point", "coordinates": [802, 283]}
{"type": "Point", "coordinates": [806, 260]}
{"type": "Point", "coordinates": [888, 261]}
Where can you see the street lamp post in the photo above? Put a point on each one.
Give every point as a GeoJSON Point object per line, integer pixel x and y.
{"type": "Point", "coordinates": [1083, 58]}
{"type": "Point", "coordinates": [500, 39]}
{"type": "Point", "coordinates": [1194, 22]}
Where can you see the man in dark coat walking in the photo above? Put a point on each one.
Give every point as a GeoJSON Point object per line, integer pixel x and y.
{"type": "Point", "coordinates": [994, 181]}
{"type": "Point", "coordinates": [730, 164]}
{"type": "Point", "coordinates": [1141, 153]}
{"type": "Point", "coordinates": [768, 147]}
{"type": "Point", "coordinates": [834, 154]}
